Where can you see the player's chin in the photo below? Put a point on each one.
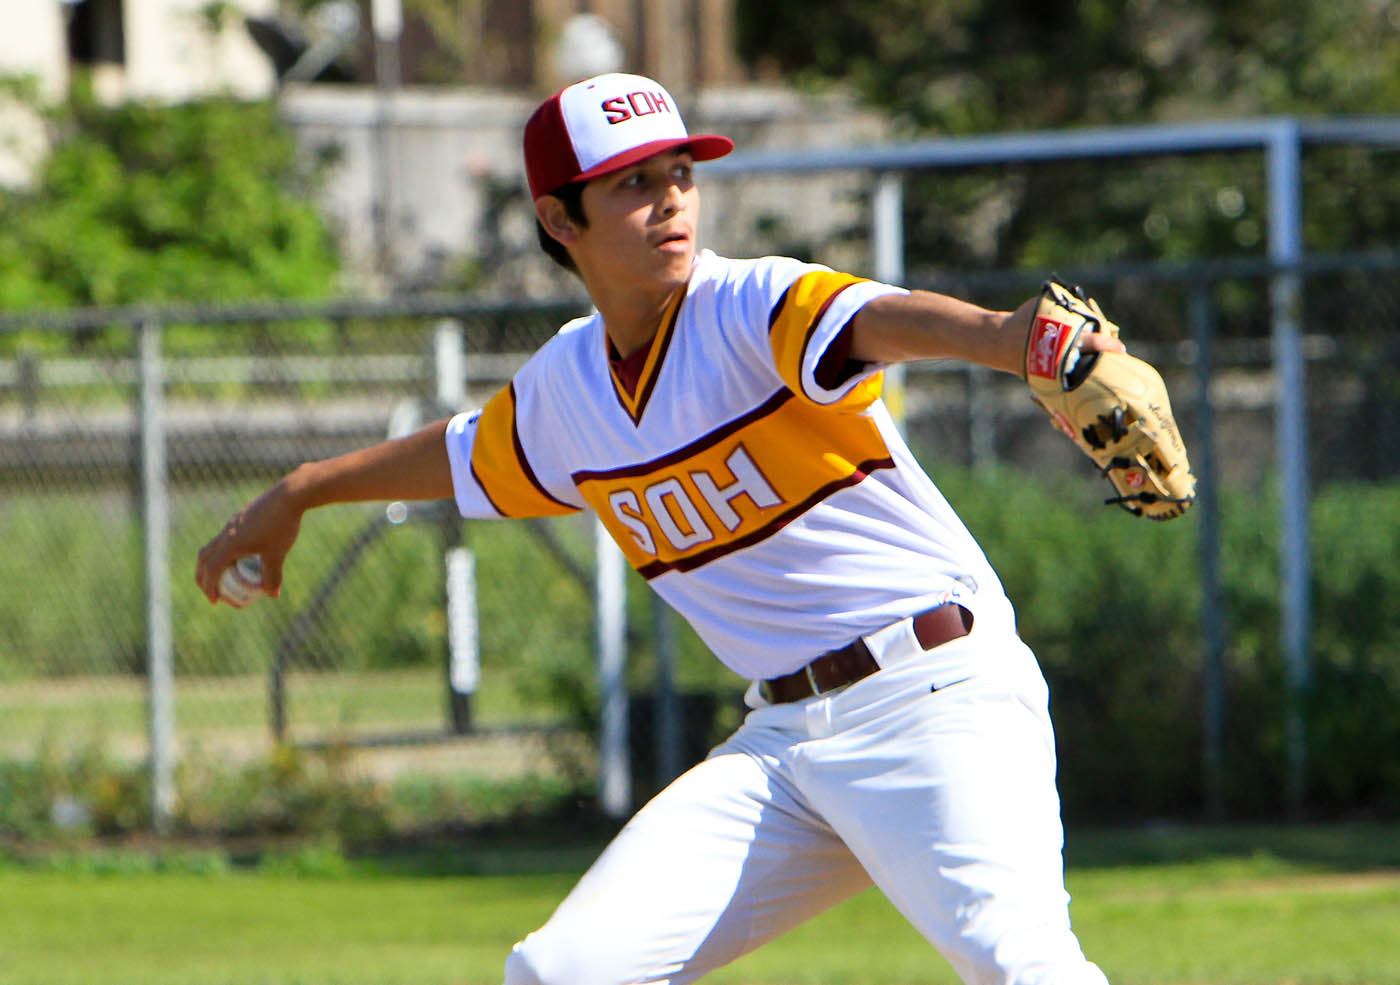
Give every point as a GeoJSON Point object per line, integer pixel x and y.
{"type": "Point", "coordinates": [675, 257]}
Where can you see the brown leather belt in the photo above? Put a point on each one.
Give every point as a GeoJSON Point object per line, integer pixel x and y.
{"type": "Point", "coordinates": [837, 668]}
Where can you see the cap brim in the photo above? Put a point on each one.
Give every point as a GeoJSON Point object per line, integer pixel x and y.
{"type": "Point", "coordinates": [702, 147]}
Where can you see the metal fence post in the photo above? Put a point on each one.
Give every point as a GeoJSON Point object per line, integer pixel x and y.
{"type": "Point", "coordinates": [1290, 422]}
{"type": "Point", "coordinates": [887, 248]}
{"type": "Point", "coordinates": [668, 713]}
{"type": "Point", "coordinates": [155, 503]}
{"type": "Point", "coordinates": [610, 608]}
{"type": "Point", "coordinates": [463, 638]}
{"type": "Point", "coordinates": [1201, 314]}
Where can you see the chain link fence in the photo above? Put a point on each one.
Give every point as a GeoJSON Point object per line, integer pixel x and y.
{"type": "Point", "coordinates": [370, 652]}
{"type": "Point", "coordinates": [357, 652]}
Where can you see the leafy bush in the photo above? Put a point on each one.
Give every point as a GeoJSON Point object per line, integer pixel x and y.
{"type": "Point", "coordinates": [1110, 605]}
{"type": "Point", "coordinates": [138, 203]}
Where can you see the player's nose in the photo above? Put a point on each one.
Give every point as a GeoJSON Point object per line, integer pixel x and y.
{"type": "Point", "coordinates": [672, 199]}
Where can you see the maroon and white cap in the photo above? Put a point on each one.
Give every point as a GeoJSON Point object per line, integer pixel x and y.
{"type": "Point", "coordinates": [604, 124]}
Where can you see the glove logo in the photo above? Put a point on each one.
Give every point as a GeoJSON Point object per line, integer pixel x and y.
{"type": "Point", "coordinates": [1046, 341]}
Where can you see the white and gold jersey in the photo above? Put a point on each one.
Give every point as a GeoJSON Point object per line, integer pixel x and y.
{"type": "Point", "coordinates": [780, 516]}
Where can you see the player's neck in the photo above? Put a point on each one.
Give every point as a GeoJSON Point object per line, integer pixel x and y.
{"type": "Point", "coordinates": [632, 320]}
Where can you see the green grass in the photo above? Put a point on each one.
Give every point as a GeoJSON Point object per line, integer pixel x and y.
{"type": "Point", "coordinates": [235, 709]}
{"type": "Point", "coordinates": [1304, 905]}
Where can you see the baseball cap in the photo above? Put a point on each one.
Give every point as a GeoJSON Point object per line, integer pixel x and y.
{"type": "Point", "coordinates": [604, 124]}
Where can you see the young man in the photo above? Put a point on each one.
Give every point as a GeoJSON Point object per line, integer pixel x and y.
{"type": "Point", "coordinates": [723, 419]}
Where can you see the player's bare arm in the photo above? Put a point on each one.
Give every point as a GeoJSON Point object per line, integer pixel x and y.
{"type": "Point", "coordinates": [925, 325]}
{"type": "Point", "coordinates": [414, 467]}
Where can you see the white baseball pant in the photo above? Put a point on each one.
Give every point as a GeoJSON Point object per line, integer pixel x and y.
{"type": "Point", "coordinates": [934, 778]}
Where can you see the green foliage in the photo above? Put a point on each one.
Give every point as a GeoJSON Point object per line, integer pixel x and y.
{"type": "Point", "coordinates": [1111, 606]}
{"type": "Point", "coordinates": [64, 798]}
{"type": "Point", "coordinates": [138, 203]}
{"type": "Point", "coordinates": [312, 803]}
{"type": "Point", "coordinates": [291, 792]}
{"type": "Point", "coordinates": [981, 66]}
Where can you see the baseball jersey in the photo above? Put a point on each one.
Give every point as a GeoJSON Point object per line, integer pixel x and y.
{"type": "Point", "coordinates": [777, 510]}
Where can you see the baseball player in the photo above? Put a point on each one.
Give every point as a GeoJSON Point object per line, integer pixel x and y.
{"type": "Point", "coordinates": [723, 419]}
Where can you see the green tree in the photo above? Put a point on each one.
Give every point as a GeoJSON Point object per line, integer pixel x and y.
{"type": "Point", "coordinates": [977, 66]}
{"type": "Point", "coordinates": [961, 66]}
{"type": "Point", "coordinates": [138, 203]}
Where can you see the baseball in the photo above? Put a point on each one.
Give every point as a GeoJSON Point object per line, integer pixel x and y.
{"type": "Point", "coordinates": [241, 582]}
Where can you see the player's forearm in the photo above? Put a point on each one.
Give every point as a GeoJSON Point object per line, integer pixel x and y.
{"type": "Point", "coordinates": [924, 325]}
{"type": "Point", "coordinates": [414, 467]}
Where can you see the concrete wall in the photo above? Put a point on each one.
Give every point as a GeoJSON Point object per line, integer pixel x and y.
{"type": "Point", "coordinates": [446, 165]}
{"type": "Point", "coordinates": [174, 53]}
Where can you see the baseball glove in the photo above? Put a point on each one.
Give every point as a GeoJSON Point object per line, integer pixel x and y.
{"type": "Point", "coordinates": [1112, 405]}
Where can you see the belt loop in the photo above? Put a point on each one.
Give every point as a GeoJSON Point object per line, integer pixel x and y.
{"type": "Point", "coordinates": [812, 679]}
{"type": "Point", "coordinates": [894, 643]}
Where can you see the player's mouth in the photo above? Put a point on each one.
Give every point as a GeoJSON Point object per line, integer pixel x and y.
{"type": "Point", "coordinates": [677, 240]}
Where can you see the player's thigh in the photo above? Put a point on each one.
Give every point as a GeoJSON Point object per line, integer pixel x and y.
{"type": "Point", "coordinates": [722, 860]}
{"type": "Point", "coordinates": [956, 816]}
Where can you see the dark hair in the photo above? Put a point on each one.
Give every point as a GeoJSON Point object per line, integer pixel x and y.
{"type": "Point", "coordinates": [572, 197]}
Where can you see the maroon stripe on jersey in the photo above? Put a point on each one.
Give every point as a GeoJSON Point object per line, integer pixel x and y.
{"type": "Point", "coordinates": [482, 486]}
{"type": "Point", "coordinates": [821, 313]}
{"type": "Point", "coordinates": [693, 561]}
{"type": "Point", "coordinates": [694, 448]}
{"type": "Point", "coordinates": [777, 311]}
{"type": "Point", "coordinates": [778, 308]}
{"type": "Point", "coordinates": [524, 462]}
{"type": "Point", "coordinates": [649, 384]}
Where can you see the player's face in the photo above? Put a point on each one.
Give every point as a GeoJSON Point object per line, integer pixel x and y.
{"type": "Point", "coordinates": [641, 223]}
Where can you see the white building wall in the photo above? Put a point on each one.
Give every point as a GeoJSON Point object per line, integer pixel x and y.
{"type": "Point", "coordinates": [174, 53]}
{"type": "Point", "coordinates": [32, 43]}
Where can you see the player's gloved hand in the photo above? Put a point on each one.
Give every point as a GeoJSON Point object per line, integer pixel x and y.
{"type": "Point", "coordinates": [1112, 405]}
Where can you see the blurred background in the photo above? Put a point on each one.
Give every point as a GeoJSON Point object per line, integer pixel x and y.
{"type": "Point", "coordinates": [239, 234]}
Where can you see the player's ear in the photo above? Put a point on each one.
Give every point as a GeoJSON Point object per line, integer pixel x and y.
{"type": "Point", "coordinates": [554, 217]}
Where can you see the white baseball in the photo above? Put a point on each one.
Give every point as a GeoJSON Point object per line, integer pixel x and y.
{"type": "Point", "coordinates": [241, 582]}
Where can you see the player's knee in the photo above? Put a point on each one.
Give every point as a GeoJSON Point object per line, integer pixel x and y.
{"type": "Point", "coordinates": [551, 958]}
{"type": "Point", "coordinates": [520, 970]}
{"type": "Point", "coordinates": [1036, 958]}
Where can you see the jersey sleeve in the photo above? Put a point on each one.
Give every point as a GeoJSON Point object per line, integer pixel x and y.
{"type": "Point", "coordinates": [491, 473]}
{"type": "Point", "coordinates": [815, 308]}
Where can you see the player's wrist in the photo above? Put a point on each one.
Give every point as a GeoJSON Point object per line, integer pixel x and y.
{"type": "Point", "coordinates": [301, 489]}
{"type": "Point", "coordinates": [1015, 336]}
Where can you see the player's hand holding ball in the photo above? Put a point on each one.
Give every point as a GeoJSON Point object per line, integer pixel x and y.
{"type": "Point", "coordinates": [244, 561]}
{"type": "Point", "coordinates": [241, 584]}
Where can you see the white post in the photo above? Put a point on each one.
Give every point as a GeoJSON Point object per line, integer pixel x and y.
{"type": "Point", "coordinates": [160, 675]}
{"type": "Point", "coordinates": [610, 607]}
{"type": "Point", "coordinates": [464, 651]}
{"type": "Point", "coordinates": [463, 637]}
{"type": "Point", "coordinates": [887, 235]}
{"type": "Point", "coordinates": [386, 19]}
